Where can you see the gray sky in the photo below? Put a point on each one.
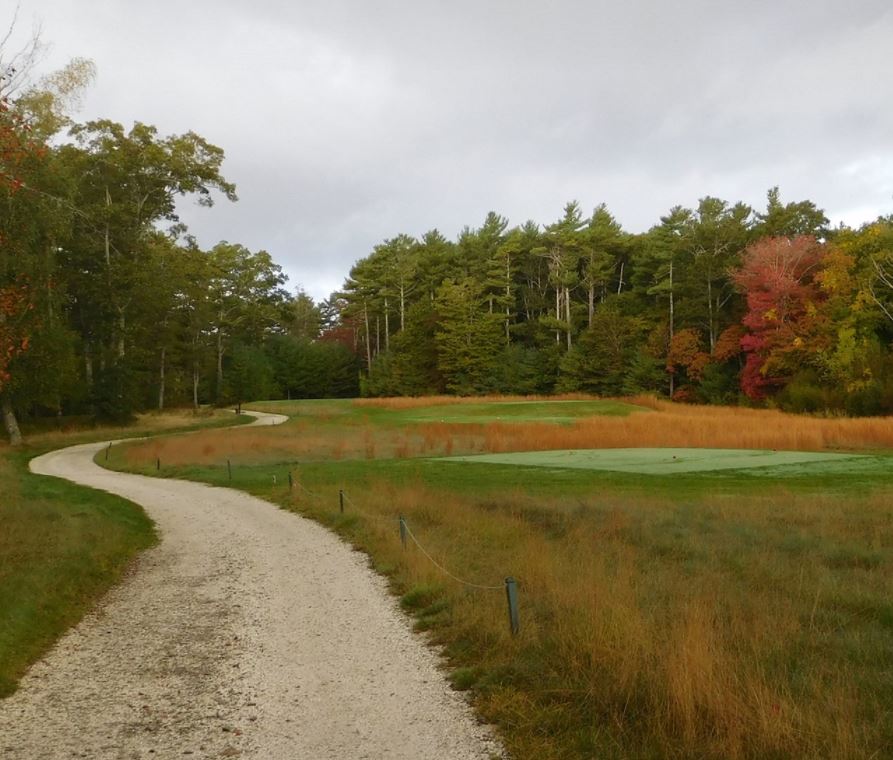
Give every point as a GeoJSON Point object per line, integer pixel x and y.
{"type": "Point", "coordinates": [346, 122]}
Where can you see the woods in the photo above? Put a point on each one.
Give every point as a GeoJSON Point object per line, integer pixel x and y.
{"type": "Point", "coordinates": [109, 306]}
{"type": "Point", "coordinates": [722, 303]}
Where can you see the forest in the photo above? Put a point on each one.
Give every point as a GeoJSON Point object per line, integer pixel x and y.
{"type": "Point", "coordinates": [718, 304]}
{"type": "Point", "coordinates": [108, 306]}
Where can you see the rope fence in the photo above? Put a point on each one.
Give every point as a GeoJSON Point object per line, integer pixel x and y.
{"type": "Point", "coordinates": [510, 585]}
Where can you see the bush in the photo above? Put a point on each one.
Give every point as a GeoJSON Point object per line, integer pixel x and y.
{"type": "Point", "coordinates": [803, 394]}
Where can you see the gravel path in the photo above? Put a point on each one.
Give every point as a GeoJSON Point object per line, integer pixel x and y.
{"type": "Point", "coordinates": [248, 632]}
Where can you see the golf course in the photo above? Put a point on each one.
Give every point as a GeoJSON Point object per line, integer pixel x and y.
{"type": "Point", "coordinates": [692, 581]}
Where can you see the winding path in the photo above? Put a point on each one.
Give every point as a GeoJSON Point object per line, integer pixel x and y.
{"type": "Point", "coordinates": [247, 632]}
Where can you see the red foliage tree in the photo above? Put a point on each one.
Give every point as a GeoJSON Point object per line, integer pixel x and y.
{"type": "Point", "coordinates": [778, 276]}
{"type": "Point", "coordinates": [18, 153]}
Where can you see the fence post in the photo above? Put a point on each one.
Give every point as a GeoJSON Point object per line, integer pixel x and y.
{"type": "Point", "coordinates": [291, 482]}
{"type": "Point", "coordinates": [341, 500]}
{"type": "Point", "coordinates": [107, 451]}
{"type": "Point", "coordinates": [511, 593]}
{"type": "Point", "coordinates": [403, 531]}
{"type": "Point", "coordinates": [158, 464]}
{"type": "Point", "coordinates": [274, 480]}
{"type": "Point", "coordinates": [229, 469]}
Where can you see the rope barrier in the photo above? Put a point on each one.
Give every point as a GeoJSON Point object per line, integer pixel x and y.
{"type": "Point", "coordinates": [307, 490]}
{"type": "Point", "coordinates": [366, 515]}
{"type": "Point", "coordinates": [444, 570]}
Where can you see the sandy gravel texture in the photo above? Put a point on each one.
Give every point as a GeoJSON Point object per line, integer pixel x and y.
{"type": "Point", "coordinates": [248, 632]}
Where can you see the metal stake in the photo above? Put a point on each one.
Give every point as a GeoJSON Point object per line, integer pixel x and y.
{"type": "Point", "coordinates": [511, 593]}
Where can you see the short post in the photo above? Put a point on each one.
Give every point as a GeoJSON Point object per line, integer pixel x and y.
{"type": "Point", "coordinates": [274, 480]}
{"type": "Point", "coordinates": [403, 531]}
{"type": "Point", "coordinates": [291, 481]}
{"type": "Point", "coordinates": [229, 469]}
{"type": "Point", "coordinates": [107, 451]}
{"type": "Point", "coordinates": [511, 593]}
{"type": "Point", "coordinates": [158, 463]}
{"type": "Point", "coordinates": [341, 500]}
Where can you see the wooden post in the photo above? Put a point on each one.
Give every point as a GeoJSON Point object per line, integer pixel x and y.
{"type": "Point", "coordinates": [158, 463]}
{"type": "Point", "coordinates": [229, 469]}
{"type": "Point", "coordinates": [291, 481]}
{"type": "Point", "coordinates": [107, 451]}
{"type": "Point", "coordinates": [341, 500]}
{"type": "Point", "coordinates": [511, 593]}
{"type": "Point", "coordinates": [403, 531]}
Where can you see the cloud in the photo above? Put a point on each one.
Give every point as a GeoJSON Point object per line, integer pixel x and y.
{"type": "Point", "coordinates": [348, 122]}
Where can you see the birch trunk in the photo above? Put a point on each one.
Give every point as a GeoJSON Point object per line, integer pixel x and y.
{"type": "Point", "coordinates": [368, 338]}
{"type": "Point", "coordinates": [10, 422]}
{"type": "Point", "coordinates": [567, 314]}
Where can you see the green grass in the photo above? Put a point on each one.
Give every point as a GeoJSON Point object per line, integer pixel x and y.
{"type": "Point", "coordinates": [60, 548]}
{"type": "Point", "coordinates": [61, 545]}
{"type": "Point", "coordinates": [742, 612]}
{"type": "Point", "coordinates": [516, 411]}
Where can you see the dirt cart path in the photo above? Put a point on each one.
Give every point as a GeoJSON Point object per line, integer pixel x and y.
{"type": "Point", "coordinates": [248, 632]}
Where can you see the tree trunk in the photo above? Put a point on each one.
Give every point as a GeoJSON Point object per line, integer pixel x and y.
{"type": "Point", "coordinates": [387, 327]}
{"type": "Point", "coordinates": [161, 379]}
{"type": "Point", "coordinates": [219, 391]}
{"type": "Point", "coordinates": [567, 312]}
{"type": "Point", "coordinates": [672, 318]}
{"type": "Point", "coordinates": [88, 365]}
{"type": "Point", "coordinates": [368, 338]}
{"type": "Point", "coordinates": [508, 297]}
{"type": "Point", "coordinates": [402, 306]}
{"type": "Point", "coordinates": [195, 386]}
{"type": "Point", "coordinates": [121, 327]}
{"type": "Point", "coordinates": [591, 301]}
{"type": "Point", "coordinates": [10, 422]}
{"type": "Point", "coordinates": [620, 284]}
{"type": "Point", "coordinates": [558, 312]}
{"type": "Point", "coordinates": [711, 326]}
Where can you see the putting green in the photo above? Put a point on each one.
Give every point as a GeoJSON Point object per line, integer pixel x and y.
{"type": "Point", "coordinates": [656, 461]}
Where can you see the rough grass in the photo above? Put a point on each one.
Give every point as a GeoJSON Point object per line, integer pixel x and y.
{"type": "Point", "coordinates": [706, 615]}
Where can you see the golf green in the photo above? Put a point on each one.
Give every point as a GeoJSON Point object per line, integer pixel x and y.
{"type": "Point", "coordinates": [656, 461]}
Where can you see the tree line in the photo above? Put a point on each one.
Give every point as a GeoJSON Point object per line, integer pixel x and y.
{"type": "Point", "coordinates": [107, 305]}
{"type": "Point", "coordinates": [721, 303]}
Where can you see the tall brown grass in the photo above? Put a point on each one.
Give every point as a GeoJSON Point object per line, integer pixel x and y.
{"type": "Point", "coordinates": [731, 626]}
{"type": "Point", "coordinates": [629, 651]}
{"type": "Point", "coordinates": [670, 425]}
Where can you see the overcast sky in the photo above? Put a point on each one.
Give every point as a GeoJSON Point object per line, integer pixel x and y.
{"type": "Point", "coordinates": [347, 122]}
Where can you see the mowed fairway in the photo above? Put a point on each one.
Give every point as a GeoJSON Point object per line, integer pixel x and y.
{"type": "Point", "coordinates": [733, 602]}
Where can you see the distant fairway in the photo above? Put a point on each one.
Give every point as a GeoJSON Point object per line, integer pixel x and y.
{"type": "Point", "coordinates": [658, 461]}
{"type": "Point", "coordinates": [520, 411]}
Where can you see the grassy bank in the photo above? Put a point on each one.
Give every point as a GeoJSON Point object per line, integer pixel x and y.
{"type": "Point", "coordinates": [61, 545]}
{"type": "Point", "coordinates": [735, 613]}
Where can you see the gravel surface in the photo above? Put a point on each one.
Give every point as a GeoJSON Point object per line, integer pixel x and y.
{"type": "Point", "coordinates": [248, 632]}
